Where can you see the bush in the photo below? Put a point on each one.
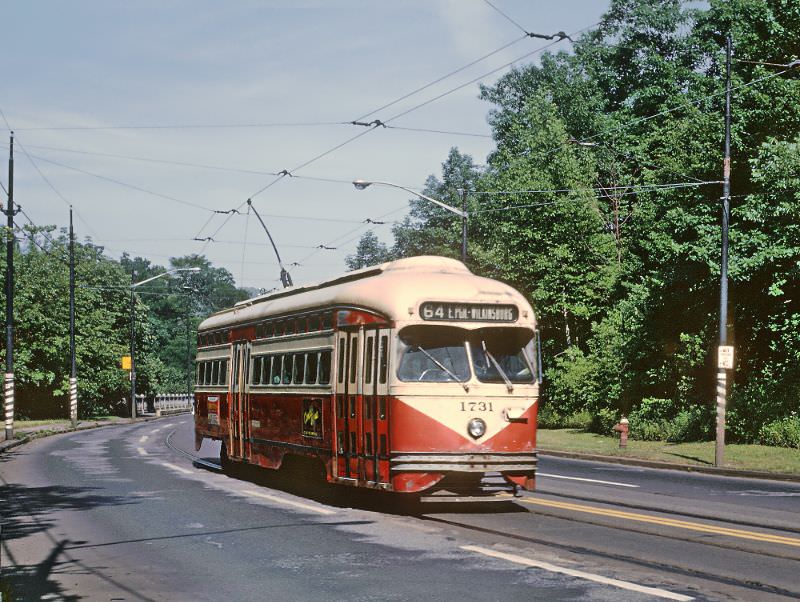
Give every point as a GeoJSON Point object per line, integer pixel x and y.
{"type": "Point", "coordinates": [655, 420]}
{"type": "Point", "coordinates": [548, 418]}
{"type": "Point", "coordinates": [781, 433]}
{"type": "Point", "coordinates": [603, 421]}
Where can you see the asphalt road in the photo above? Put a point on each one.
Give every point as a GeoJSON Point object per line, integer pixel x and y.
{"type": "Point", "coordinates": [128, 513]}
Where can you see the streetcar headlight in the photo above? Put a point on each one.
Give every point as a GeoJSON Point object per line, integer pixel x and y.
{"type": "Point", "coordinates": [476, 428]}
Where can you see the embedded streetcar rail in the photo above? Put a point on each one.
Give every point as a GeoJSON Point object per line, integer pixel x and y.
{"type": "Point", "coordinates": [195, 459]}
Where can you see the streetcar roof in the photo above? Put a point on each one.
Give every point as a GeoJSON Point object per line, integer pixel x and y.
{"type": "Point", "coordinates": [394, 289]}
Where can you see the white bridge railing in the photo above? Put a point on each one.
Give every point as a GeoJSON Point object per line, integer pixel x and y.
{"type": "Point", "coordinates": [164, 403]}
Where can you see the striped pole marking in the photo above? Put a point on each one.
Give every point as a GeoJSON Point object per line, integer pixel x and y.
{"type": "Point", "coordinates": [8, 391]}
{"type": "Point", "coordinates": [668, 522]}
{"type": "Point", "coordinates": [73, 400]}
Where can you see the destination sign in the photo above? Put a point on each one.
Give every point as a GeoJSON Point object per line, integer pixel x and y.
{"type": "Point", "coordinates": [468, 312]}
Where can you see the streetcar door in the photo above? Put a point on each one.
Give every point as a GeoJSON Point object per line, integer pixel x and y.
{"type": "Point", "coordinates": [239, 413]}
{"type": "Point", "coordinates": [380, 420]}
{"type": "Point", "coordinates": [348, 400]}
{"type": "Point", "coordinates": [369, 406]}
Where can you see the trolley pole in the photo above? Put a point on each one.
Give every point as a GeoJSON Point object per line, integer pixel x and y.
{"type": "Point", "coordinates": [8, 388]}
{"type": "Point", "coordinates": [725, 354]}
{"type": "Point", "coordinates": [73, 375]}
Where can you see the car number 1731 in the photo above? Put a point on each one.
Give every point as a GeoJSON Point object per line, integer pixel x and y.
{"type": "Point", "coordinates": [476, 406]}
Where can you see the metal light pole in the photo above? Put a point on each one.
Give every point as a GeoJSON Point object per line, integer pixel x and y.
{"type": "Point", "coordinates": [73, 375]}
{"type": "Point", "coordinates": [362, 184]}
{"type": "Point", "coordinates": [133, 327]}
{"type": "Point", "coordinates": [725, 354]}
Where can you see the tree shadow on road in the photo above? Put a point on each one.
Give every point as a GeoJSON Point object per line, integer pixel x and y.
{"type": "Point", "coordinates": [30, 511]}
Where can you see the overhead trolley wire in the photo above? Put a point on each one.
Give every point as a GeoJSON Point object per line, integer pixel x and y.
{"type": "Point", "coordinates": [509, 19]}
{"type": "Point", "coordinates": [442, 78]}
{"type": "Point", "coordinates": [377, 123]}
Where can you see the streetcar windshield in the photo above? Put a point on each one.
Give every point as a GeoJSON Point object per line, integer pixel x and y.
{"type": "Point", "coordinates": [432, 354]}
{"type": "Point", "coordinates": [499, 355]}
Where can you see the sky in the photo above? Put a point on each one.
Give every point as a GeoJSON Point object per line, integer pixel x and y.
{"type": "Point", "coordinates": [150, 118]}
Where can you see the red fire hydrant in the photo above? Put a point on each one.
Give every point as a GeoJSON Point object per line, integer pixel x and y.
{"type": "Point", "coordinates": [622, 428]}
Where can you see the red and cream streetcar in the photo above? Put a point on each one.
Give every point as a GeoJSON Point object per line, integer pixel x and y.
{"type": "Point", "coordinates": [412, 376]}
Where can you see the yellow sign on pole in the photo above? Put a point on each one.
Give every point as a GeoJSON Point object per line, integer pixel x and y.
{"type": "Point", "coordinates": [126, 362]}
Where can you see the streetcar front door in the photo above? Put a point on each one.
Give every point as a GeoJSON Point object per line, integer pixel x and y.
{"type": "Point", "coordinates": [349, 433]}
{"type": "Point", "coordinates": [239, 407]}
{"type": "Point", "coordinates": [374, 407]}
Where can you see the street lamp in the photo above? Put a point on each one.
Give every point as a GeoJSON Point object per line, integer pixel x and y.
{"type": "Point", "coordinates": [362, 184]}
{"type": "Point", "coordinates": [133, 328]}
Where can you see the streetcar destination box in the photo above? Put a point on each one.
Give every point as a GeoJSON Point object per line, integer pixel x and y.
{"type": "Point", "coordinates": [468, 312]}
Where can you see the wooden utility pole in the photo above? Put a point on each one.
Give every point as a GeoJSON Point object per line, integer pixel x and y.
{"type": "Point", "coordinates": [8, 388]}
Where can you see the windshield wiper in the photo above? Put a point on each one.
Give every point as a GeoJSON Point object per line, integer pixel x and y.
{"type": "Point", "coordinates": [500, 370]}
{"type": "Point", "coordinates": [444, 368]}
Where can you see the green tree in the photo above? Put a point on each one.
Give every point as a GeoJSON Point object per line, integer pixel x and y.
{"type": "Point", "coordinates": [370, 251]}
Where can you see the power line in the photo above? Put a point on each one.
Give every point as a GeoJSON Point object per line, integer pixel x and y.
{"type": "Point", "coordinates": [634, 187]}
{"type": "Point", "coordinates": [184, 126]}
{"type": "Point", "coordinates": [126, 185]}
{"type": "Point", "coordinates": [676, 108]}
{"type": "Point", "coordinates": [151, 160]}
{"type": "Point", "coordinates": [53, 188]}
{"type": "Point", "coordinates": [430, 131]}
{"type": "Point", "coordinates": [3, 115]}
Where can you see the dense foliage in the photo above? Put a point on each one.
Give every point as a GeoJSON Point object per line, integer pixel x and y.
{"type": "Point", "coordinates": [601, 202]}
{"type": "Point", "coordinates": [166, 311]}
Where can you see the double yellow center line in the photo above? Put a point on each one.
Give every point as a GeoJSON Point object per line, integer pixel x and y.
{"type": "Point", "coordinates": [667, 522]}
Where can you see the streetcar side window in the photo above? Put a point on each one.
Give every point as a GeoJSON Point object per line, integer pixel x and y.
{"type": "Point", "coordinates": [223, 372]}
{"type": "Point", "coordinates": [353, 361]}
{"type": "Point", "coordinates": [312, 364]}
{"type": "Point", "coordinates": [325, 367]}
{"type": "Point", "coordinates": [342, 360]}
{"type": "Point", "coordinates": [368, 360]}
{"type": "Point", "coordinates": [287, 369]}
{"type": "Point", "coordinates": [214, 372]}
{"type": "Point", "coordinates": [201, 372]}
{"type": "Point", "coordinates": [258, 366]}
{"type": "Point", "coordinates": [298, 374]}
{"type": "Point", "coordinates": [383, 366]}
{"type": "Point", "coordinates": [277, 362]}
{"type": "Point", "coordinates": [327, 322]}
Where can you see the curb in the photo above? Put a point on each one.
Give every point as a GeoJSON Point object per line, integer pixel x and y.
{"type": "Point", "coordinates": [713, 470]}
{"type": "Point", "coordinates": [31, 435]}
